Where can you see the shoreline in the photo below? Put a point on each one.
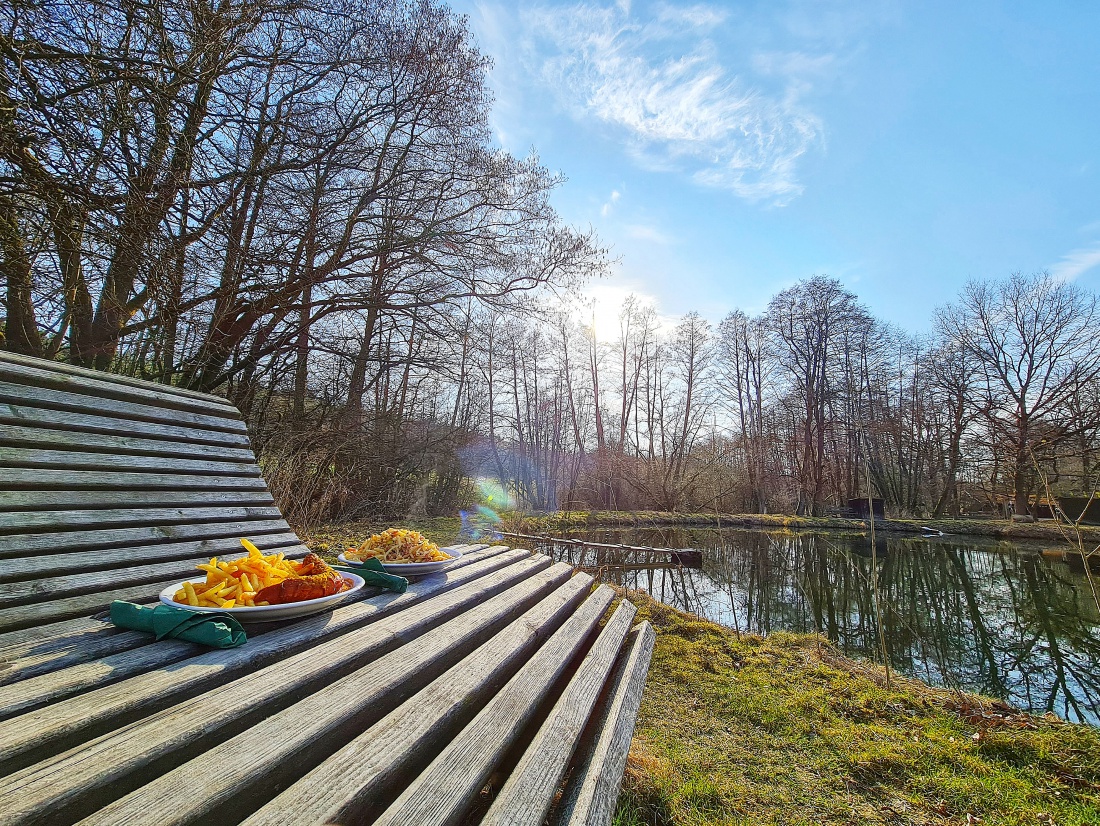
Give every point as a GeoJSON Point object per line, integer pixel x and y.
{"type": "Point", "coordinates": [1047, 530]}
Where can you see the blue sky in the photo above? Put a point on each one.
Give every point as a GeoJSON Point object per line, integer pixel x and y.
{"type": "Point", "coordinates": [727, 150]}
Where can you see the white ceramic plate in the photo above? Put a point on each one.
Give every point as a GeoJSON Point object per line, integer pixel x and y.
{"type": "Point", "coordinates": [263, 613]}
{"type": "Point", "coordinates": [412, 568]}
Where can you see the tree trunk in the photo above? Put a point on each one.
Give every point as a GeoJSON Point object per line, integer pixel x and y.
{"type": "Point", "coordinates": [20, 333]}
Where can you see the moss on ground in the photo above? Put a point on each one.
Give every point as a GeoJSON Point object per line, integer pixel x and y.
{"type": "Point", "coordinates": [785, 730]}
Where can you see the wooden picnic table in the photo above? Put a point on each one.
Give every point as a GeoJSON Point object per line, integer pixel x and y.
{"type": "Point", "coordinates": [501, 690]}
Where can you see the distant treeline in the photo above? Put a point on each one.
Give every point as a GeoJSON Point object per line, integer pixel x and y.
{"type": "Point", "coordinates": [299, 205]}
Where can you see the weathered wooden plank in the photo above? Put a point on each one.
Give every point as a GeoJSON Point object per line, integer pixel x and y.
{"type": "Point", "coordinates": [64, 480]}
{"type": "Point", "coordinates": [61, 500]}
{"type": "Point", "coordinates": [75, 460]}
{"type": "Point", "coordinates": [140, 657]}
{"type": "Point", "coordinates": [446, 789]}
{"type": "Point", "coordinates": [49, 636]}
{"type": "Point", "coordinates": [96, 422]}
{"type": "Point", "coordinates": [49, 565]}
{"type": "Point", "coordinates": [87, 582]}
{"type": "Point", "coordinates": [80, 372]}
{"type": "Point", "coordinates": [22, 663]}
{"type": "Point", "coordinates": [301, 735]}
{"type": "Point", "coordinates": [54, 646]}
{"type": "Point", "coordinates": [47, 439]}
{"type": "Point", "coordinates": [77, 402]}
{"type": "Point", "coordinates": [69, 541]}
{"type": "Point", "coordinates": [593, 788]}
{"type": "Point", "coordinates": [85, 778]}
{"type": "Point", "coordinates": [24, 616]}
{"type": "Point", "coordinates": [525, 797]}
{"type": "Point", "coordinates": [97, 709]}
{"type": "Point", "coordinates": [34, 521]}
{"type": "Point", "coordinates": [112, 386]}
{"type": "Point", "coordinates": [379, 762]}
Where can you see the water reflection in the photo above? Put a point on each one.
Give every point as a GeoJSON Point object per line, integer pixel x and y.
{"type": "Point", "coordinates": [993, 618]}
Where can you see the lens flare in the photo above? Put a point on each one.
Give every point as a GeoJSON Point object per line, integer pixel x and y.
{"type": "Point", "coordinates": [482, 521]}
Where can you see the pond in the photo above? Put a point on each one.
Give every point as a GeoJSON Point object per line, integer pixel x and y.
{"type": "Point", "coordinates": [989, 617]}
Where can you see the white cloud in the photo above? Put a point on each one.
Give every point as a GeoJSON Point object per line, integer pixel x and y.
{"type": "Point", "coordinates": [668, 81]}
{"type": "Point", "coordinates": [642, 232]}
{"type": "Point", "coordinates": [609, 204]}
{"type": "Point", "coordinates": [1076, 263]}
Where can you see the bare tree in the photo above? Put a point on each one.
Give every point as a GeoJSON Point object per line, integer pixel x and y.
{"type": "Point", "coordinates": [807, 324]}
{"type": "Point", "coordinates": [1034, 339]}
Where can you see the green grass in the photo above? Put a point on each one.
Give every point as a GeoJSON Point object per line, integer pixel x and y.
{"type": "Point", "coordinates": [785, 730]}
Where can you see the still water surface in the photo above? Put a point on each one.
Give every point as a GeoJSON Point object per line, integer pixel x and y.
{"type": "Point", "coordinates": [989, 617]}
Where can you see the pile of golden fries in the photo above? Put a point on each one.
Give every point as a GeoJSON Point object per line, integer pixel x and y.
{"type": "Point", "coordinates": [234, 583]}
{"type": "Point", "coordinates": [399, 546]}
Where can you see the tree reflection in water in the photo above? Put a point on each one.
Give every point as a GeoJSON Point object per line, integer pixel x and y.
{"type": "Point", "coordinates": [993, 618]}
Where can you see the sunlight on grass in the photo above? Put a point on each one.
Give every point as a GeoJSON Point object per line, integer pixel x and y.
{"type": "Point", "coordinates": [785, 730]}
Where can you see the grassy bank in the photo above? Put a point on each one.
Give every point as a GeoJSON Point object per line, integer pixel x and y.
{"type": "Point", "coordinates": [995, 528]}
{"type": "Point", "coordinates": [785, 730]}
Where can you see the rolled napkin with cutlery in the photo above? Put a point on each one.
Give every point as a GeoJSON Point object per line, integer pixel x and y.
{"type": "Point", "coordinates": [374, 574]}
{"type": "Point", "coordinates": [212, 629]}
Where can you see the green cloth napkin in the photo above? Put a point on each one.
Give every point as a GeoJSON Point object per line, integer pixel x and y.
{"type": "Point", "coordinates": [374, 574]}
{"type": "Point", "coordinates": [217, 630]}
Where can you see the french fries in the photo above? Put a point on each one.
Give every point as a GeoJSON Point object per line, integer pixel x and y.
{"type": "Point", "coordinates": [234, 583]}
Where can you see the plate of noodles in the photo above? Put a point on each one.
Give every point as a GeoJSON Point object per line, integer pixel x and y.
{"type": "Point", "coordinates": [402, 552]}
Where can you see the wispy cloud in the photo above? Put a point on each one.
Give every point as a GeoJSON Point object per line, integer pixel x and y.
{"type": "Point", "coordinates": [609, 204]}
{"type": "Point", "coordinates": [642, 232]}
{"type": "Point", "coordinates": [667, 78]}
{"type": "Point", "coordinates": [1076, 263]}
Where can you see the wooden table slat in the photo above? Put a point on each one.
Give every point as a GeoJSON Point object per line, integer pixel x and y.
{"type": "Point", "coordinates": [300, 736]}
{"type": "Point", "coordinates": [56, 500]}
{"type": "Point", "coordinates": [447, 788]}
{"type": "Point", "coordinates": [391, 752]}
{"type": "Point", "coordinates": [67, 479]}
{"type": "Point", "coordinates": [94, 421]}
{"type": "Point", "coordinates": [268, 663]}
{"type": "Point", "coordinates": [47, 439]}
{"type": "Point", "coordinates": [33, 521]}
{"type": "Point", "coordinates": [593, 789]}
{"type": "Point", "coordinates": [125, 655]}
{"type": "Point", "coordinates": [26, 457]}
{"type": "Point", "coordinates": [526, 796]}
{"type": "Point", "coordinates": [72, 400]}
{"type": "Point", "coordinates": [121, 538]}
{"type": "Point", "coordinates": [56, 587]}
{"type": "Point", "coordinates": [68, 563]}
{"type": "Point", "coordinates": [19, 617]}
{"type": "Point", "coordinates": [35, 373]}
{"type": "Point", "coordinates": [87, 777]}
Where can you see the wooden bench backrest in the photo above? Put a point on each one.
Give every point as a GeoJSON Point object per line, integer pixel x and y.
{"type": "Point", "coordinates": [113, 488]}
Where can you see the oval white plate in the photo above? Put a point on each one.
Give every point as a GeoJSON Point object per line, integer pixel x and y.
{"type": "Point", "coordinates": [412, 568]}
{"type": "Point", "coordinates": [266, 612]}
